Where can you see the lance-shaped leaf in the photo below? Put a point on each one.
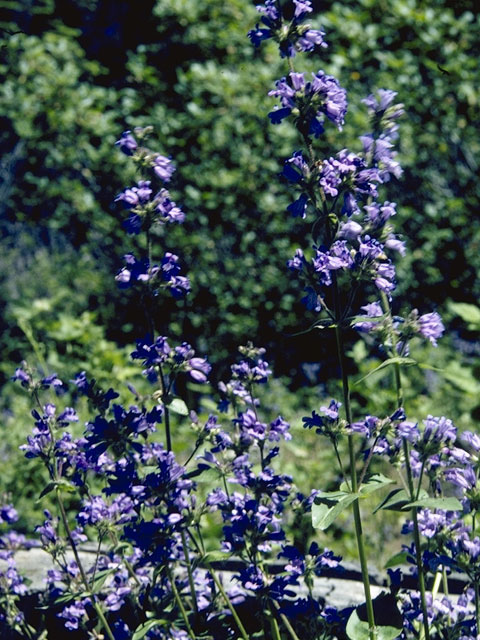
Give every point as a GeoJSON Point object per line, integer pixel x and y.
{"type": "Point", "coordinates": [374, 483]}
{"type": "Point", "coordinates": [142, 630]}
{"type": "Point", "coordinates": [328, 506]}
{"type": "Point", "coordinates": [447, 504]}
{"type": "Point", "coordinates": [386, 363]}
{"type": "Point", "coordinates": [398, 500]}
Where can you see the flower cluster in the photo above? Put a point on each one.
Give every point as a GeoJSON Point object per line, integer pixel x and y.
{"type": "Point", "coordinates": [180, 359]}
{"type": "Point", "coordinates": [309, 101]}
{"type": "Point", "coordinates": [149, 210]}
{"type": "Point", "coordinates": [166, 276]}
{"type": "Point", "coordinates": [289, 32]}
{"type": "Point", "coordinates": [146, 506]}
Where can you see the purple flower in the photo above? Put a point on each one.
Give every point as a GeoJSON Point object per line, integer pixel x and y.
{"type": "Point", "coordinates": [431, 326]}
{"type": "Point", "coordinates": [472, 439]}
{"type": "Point", "coordinates": [314, 421]}
{"type": "Point", "coordinates": [295, 168]}
{"type": "Point", "coordinates": [465, 478]}
{"type": "Point", "coordinates": [177, 285]}
{"type": "Point", "coordinates": [257, 35]}
{"type": "Point", "coordinates": [325, 560]}
{"type": "Point", "coordinates": [167, 209]}
{"type": "Point", "coordinates": [366, 427]}
{"type": "Point", "coordinates": [135, 271]}
{"type": "Point", "coordinates": [472, 547]}
{"type": "Point", "coordinates": [278, 428]}
{"type": "Point", "coordinates": [199, 369]}
{"type": "Point", "coordinates": [349, 230]}
{"type": "Point", "coordinates": [291, 36]}
{"type": "Point", "coordinates": [297, 262]}
{"type": "Point", "coordinates": [320, 97]}
{"type": "Point", "coordinates": [269, 10]}
{"type": "Point", "coordinates": [372, 310]}
{"type": "Point", "coordinates": [152, 354]}
{"type": "Point", "coordinates": [310, 39]}
{"type": "Point", "coordinates": [331, 412]}
{"type": "Point", "coordinates": [302, 7]}
{"type": "Point", "coordinates": [298, 208]}
{"type": "Point", "coordinates": [409, 431]}
{"type": "Point", "coordinates": [127, 143]}
{"type": "Point", "coordinates": [74, 614]}
{"type": "Point", "coordinates": [251, 429]}
{"type": "Point", "coordinates": [8, 514]}
{"type": "Point", "coordinates": [431, 523]}
{"type": "Point", "coordinates": [441, 430]}
{"type": "Point", "coordinates": [163, 167]}
{"type": "Point", "coordinates": [381, 101]}
{"type": "Point", "coordinates": [135, 196]}
{"type": "Point", "coordinates": [395, 244]}
{"type": "Point", "coordinates": [377, 215]}
{"type": "Point", "coordinates": [251, 578]}
{"type": "Point", "coordinates": [321, 266]}
{"type": "Point", "coordinates": [67, 415]}
{"type": "Point", "coordinates": [23, 377]}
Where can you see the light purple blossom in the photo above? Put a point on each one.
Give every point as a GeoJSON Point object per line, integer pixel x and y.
{"type": "Point", "coordinates": [430, 326]}
{"type": "Point", "coordinates": [163, 167]}
{"type": "Point", "coordinates": [127, 143]}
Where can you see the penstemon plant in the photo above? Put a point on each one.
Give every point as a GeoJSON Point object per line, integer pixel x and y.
{"type": "Point", "coordinates": [156, 573]}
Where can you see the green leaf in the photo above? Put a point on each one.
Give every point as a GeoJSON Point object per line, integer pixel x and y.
{"type": "Point", "coordinates": [63, 485]}
{"type": "Point", "coordinates": [448, 504]}
{"type": "Point", "coordinates": [359, 630]}
{"type": "Point", "coordinates": [374, 483]}
{"type": "Point", "coordinates": [461, 377]}
{"type": "Point", "coordinates": [216, 556]}
{"type": "Point", "coordinates": [50, 487]}
{"type": "Point", "coordinates": [326, 508]}
{"type": "Point", "coordinates": [398, 559]}
{"type": "Point", "coordinates": [363, 318]}
{"type": "Point", "coordinates": [397, 500]}
{"type": "Point", "coordinates": [142, 630]}
{"type": "Point", "coordinates": [206, 474]}
{"type": "Point", "coordinates": [177, 405]}
{"type": "Point", "coordinates": [386, 363]}
{"type": "Point", "coordinates": [430, 367]}
{"type": "Point", "coordinates": [468, 312]}
{"type": "Point", "coordinates": [100, 579]}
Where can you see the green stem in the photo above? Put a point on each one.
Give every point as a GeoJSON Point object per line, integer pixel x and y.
{"type": "Point", "coordinates": [436, 583]}
{"type": "Point", "coordinates": [165, 408]}
{"type": "Point", "coordinates": [286, 622]}
{"type": "Point", "coordinates": [396, 366]}
{"type": "Point", "coordinates": [342, 469]}
{"type": "Point", "coordinates": [353, 476]}
{"type": "Point", "coordinates": [420, 478]}
{"type": "Point", "coordinates": [151, 324]}
{"type": "Point", "coordinates": [416, 539]}
{"type": "Point", "coordinates": [131, 572]}
{"type": "Point", "coordinates": [445, 580]}
{"type": "Point", "coordinates": [477, 604]}
{"type": "Point", "coordinates": [83, 575]}
{"type": "Point", "coordinates": [179, 602]}
{"type": "Point", "coordinates": [97, 556]}
{"type": "Point", "coordinates": [28, 331]}
{"type": "Point", "coordinates": [411, 488]}
{"type": "Point", "coordinates": [274, 626]}
{"type": "Point", "coordinates": [219, 585]}
{"type": "Point", "coordinates": [367, 463]}
{"type": "Point", "coordinates": [189, 572]}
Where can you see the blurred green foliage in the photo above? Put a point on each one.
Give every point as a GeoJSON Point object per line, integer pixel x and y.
{"type": "Point", "coordinates": [73, 75]}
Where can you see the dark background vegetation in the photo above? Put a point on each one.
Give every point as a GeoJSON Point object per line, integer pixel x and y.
{"type": "Point", "coordinates": [74, 74]}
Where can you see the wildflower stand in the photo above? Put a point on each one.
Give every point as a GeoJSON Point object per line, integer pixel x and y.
{"type": "Point", "coordinates": [153, 575]}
